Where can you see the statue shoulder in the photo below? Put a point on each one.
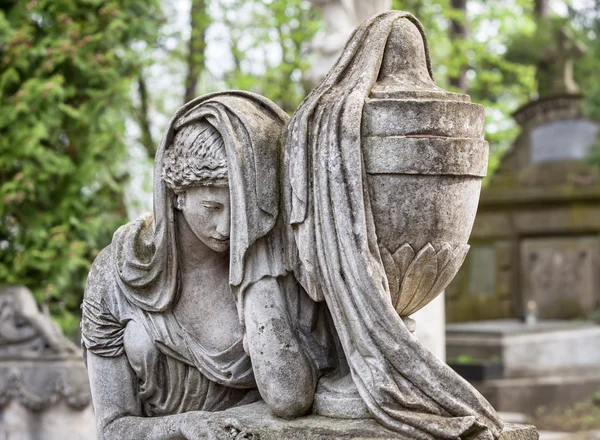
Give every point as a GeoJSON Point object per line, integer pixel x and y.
{"type": "Point", "coordinates": [101, 284]}
{"type": "Point", "coordinates": [102, 277]}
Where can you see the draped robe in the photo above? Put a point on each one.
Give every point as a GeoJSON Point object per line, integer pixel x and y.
{"type": "Point", "coordinates": [134, 283]}
{"type": "Point", "coordinates": [337, 259]}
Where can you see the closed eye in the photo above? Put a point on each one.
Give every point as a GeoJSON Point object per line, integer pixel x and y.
{"type": "Point", "coordinates": [212, 207]}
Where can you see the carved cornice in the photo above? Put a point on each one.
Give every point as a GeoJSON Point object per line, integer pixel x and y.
{"type": "Point", "coordinates": [549, 109]}
{"type": "Point", "coordinates": [39, 387]}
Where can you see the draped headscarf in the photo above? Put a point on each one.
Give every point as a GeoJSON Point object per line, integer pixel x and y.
{"type": "Point", "coordinates": [145, 253]}
{"type": "Point", "coordinates": [337, 259]}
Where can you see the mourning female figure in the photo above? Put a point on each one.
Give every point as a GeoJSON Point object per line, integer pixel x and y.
{"type": "Point", "coordinates": [179, 303]}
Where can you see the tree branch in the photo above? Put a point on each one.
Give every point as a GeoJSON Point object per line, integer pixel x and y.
{"type": "Point", "coordinates": [199, 20]}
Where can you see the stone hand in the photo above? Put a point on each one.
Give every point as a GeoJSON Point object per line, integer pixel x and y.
{"type": "Point", "coordinates": [198, 425]}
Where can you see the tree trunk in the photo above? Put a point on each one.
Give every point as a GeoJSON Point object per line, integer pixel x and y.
{"type": "Point", "coordinates": [459, 32]}
{"type": "Point", "coordinates": [199, 20]}
{"type": "Point", "coordinates": [541, 8]}
{"type": "Point", "coordinates": [144, 118]}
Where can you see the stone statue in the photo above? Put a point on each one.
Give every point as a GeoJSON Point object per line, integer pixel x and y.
{"type": "Point", "coordinates": [191, 307]}
{"type": "Point", "coordinates": [341, 17]}
{"type": "Point", "coordinates": [277, 273]}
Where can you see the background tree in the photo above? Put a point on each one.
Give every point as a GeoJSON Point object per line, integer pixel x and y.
{"type": "Point", "coordinates": [199, 22]}
{"type": "Point", "coordinates": [65, 81]}
{"type": "Point", "coordinates": [270, 43]}
{"type": "Point", "coordinates": [469, 42]}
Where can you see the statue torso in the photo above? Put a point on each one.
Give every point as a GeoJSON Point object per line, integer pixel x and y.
{"type": "Point", "coordinates": [206, 308]}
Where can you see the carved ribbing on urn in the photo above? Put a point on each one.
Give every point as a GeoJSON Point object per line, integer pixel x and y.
{"type": "Point", "coordinates": [416, 278]}
{"type": "Point", "coordinates": [425, 157]}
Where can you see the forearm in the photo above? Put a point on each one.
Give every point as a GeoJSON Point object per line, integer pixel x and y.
{"type": "Point", "coordinates": [119, 410]}
{"type": "Point", "coordinates": [284, 373]}
{"type": "Point", "coordinates": [149, 428]}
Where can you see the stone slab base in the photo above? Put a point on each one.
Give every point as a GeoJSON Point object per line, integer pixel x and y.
{"type": "Point", "coordinates": [256, 422]}
{"type": "Point", "coordinates": [527, 394]}
{"type": "Point", "coordinates": [542, 349]}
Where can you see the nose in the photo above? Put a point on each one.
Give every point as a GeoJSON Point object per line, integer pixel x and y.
{"type": "Point", "coordinates": [223, 225]}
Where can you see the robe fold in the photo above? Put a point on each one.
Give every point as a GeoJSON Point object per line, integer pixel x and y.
{"type": "Point", "coordinates": [337, 259]}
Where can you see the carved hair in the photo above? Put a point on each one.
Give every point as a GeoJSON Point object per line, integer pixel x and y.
{"type": "Point", "coordinates": [197, 157]}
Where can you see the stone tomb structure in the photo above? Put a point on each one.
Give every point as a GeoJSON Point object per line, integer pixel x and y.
{"type": "Point", "coordinates": [536, 238]}
{"type": "Point", "coordinates": [535, 257]}
{"type": "Point", "coordinates": [519, 367]}
{"type": "Point", "coordinates": [535, 242]}
{"type": "Point", "coordinates": [44, 391]}
{"type": "Point", "coordinates": [270, 294]}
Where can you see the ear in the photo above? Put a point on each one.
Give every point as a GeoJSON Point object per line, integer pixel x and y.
{"type": "Point", "coordinates": [180, 200]}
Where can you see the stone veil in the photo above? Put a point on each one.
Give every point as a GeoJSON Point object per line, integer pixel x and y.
{"type": "Point", "coordinates": [337, 259]}
{"type": "Point", "coordinates": [146, 261]}
{"type": "Point", "coordinates": [143, 255]}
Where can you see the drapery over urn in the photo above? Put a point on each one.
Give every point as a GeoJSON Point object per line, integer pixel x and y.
{"type": "Point", "coordinates": [425, 158]}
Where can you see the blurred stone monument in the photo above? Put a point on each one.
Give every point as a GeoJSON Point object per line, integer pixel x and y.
{"type": "Point", "coordinates": [44, 391]}
{"type": "Point", "coordinates": [536, 235]}
{"type": "Point", "coordinates": [535, 257]}
{"type": "Point", "coordinates": [341, 18]}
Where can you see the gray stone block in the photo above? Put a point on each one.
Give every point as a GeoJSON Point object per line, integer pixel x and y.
{"type": "Point", "coordinates": [257, 423]}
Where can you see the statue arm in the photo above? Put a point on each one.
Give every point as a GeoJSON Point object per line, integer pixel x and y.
{"type": "Point", "coordinates": [119, 412]}
{"type": "Point", "coordinates": [284, 374]}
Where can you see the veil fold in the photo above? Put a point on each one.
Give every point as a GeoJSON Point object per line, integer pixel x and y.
{"type": "Point", "coordinates": [145, 253]}
{"type": "Point", "coordinates": [337, 259]}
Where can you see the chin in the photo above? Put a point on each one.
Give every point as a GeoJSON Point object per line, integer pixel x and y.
{"type": "Point", "coordinates": [219, 246]}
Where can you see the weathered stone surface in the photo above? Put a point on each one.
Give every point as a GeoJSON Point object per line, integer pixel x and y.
{"type": "Point", "coordinates": [519, 432]}
{"type": "Point", "coordinates": [288, 274]}
{"type": "Point", "coordinates": [256, 423]}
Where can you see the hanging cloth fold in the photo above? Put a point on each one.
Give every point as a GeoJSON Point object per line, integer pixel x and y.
{"type": "Point", "coordinates": [405, 387]}
{"type": "Point", "coordinates": [145, 258]}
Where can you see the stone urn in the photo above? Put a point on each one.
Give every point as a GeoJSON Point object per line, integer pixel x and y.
{"type": "Point", "coordinates": [425, 157]}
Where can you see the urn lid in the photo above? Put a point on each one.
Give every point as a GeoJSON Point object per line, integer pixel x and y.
{"type": "Point", "coordinates": [406, 101]}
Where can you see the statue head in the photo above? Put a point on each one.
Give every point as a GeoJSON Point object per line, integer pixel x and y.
{"type": "Point", "coordinates": [195, 169]}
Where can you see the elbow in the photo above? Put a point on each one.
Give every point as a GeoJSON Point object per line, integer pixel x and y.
{"type": "Point", "coordinates": [110, 429]}
{"type": "Point", "coordinates": [289, 405]}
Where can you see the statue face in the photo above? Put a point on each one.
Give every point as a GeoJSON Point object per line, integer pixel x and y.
{"type": "Point", "coordinates": [207, 211]}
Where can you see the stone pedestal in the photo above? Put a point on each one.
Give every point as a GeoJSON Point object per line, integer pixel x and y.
{"type": "Point", "coordinates": [256, 422]}
{"type": "Point", "coordinates": [431, 326]}
{"type": "Point", "coordinates": [551, 363]}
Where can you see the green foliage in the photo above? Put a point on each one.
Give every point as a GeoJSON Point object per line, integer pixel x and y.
{"type": "Point", "coordinates": [499, 83]}
{"type": "Point", "coordinates": [65, 81]}
{"type": "Point", "coordinates": [270, 48]}
{"type": "Point", "coordinates": [587, 24]}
